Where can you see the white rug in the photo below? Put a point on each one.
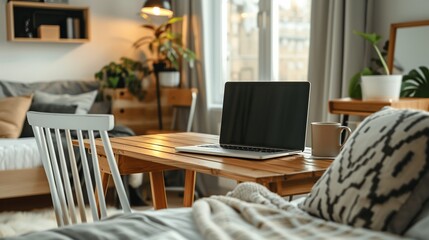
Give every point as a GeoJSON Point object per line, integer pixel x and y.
{"type": "Point", "coordinates": [17, 223]}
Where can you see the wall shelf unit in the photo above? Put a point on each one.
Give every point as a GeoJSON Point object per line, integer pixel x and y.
{"type": "Point", "coordinates": [25, 18]}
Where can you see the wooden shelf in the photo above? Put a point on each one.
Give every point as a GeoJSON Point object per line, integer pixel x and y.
{"type": "Point", "coordinates": [25, 18]}
{"type": "Point", "coordinates": [364, 108]}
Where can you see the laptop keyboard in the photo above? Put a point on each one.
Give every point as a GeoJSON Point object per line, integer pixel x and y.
{"type": "Point", "coordinates": [243, 148]}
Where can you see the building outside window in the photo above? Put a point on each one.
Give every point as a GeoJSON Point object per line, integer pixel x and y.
{"type": "Point", "coordinates": [261, 40]}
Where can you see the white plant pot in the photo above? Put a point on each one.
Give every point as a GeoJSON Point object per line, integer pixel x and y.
{"type": "Point", "coordinates": [169, 79]}
{"type": "Point", "coordinates": [381, 87]}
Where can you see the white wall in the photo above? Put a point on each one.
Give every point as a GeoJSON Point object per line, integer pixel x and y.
{"type": "Point", "coordinates": [387, 12]}
{"type": "Point", "coordinates": [114, 26]}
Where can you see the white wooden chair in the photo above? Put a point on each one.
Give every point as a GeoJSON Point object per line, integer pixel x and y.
{"type": "Point", "coordinates": [48, 125]}
{"type": "Point", "coordinates": [180, 98]}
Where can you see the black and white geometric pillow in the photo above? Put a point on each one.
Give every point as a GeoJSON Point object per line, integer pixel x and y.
{"type": "Point", "coordinates": [380, 180]}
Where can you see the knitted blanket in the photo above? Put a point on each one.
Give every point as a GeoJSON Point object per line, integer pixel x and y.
{"type": "Point", "coordinates": [251, 211]}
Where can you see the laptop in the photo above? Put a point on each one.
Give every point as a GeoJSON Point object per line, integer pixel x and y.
{"type": "Point", "coordinates": [260, 120]}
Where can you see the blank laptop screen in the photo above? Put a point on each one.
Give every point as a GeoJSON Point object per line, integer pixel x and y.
{"type": "Point", "coordinates": [265, 114]}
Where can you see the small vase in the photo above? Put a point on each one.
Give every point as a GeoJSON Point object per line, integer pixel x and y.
{"type": "Point", "coordinates": [381, 87]}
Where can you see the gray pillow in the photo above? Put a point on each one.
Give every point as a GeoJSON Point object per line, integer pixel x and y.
{"type": "Point", "coordinates": [27, 130]}
{"type": "Point", "coordinates": [83, 101]}
{"type": "Point", "coordinates": [379, 180]}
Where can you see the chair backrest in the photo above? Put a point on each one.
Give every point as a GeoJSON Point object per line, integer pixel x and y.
{"type": "Point", "coordinates": [50, 127]}
{"type": "Point", "coordinates": [183, 98]}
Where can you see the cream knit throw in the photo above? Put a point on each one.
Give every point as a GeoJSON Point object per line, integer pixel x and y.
{"type": "Point", "coordinates": [251, 211]}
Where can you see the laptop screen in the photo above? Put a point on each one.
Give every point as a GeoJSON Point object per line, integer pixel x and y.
{"type": "Point", "coordinates": [265, 114]}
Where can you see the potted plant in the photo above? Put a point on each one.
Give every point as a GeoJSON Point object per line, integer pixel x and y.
{"type": "Point", "coordinates": [127, 73]}
{"type": "Point", "coordinates": [167, 51]}
{"type": "Point", "coordinates": [375, 84]}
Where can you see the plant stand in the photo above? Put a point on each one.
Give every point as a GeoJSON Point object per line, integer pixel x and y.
{"type": "Point", "coordinates": [158, 99]}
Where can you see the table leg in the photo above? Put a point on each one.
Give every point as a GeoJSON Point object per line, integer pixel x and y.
{"type": "Point", "coordinates": [344, 122]}
{"type": "Point", "coordinates": [157, 185]}
{"type": "Point", "coordinates": [189, 193]}
{"type": "Point", "coordinates": [345, 119]}
{"type": "Point", "coordinates": [105, 177]}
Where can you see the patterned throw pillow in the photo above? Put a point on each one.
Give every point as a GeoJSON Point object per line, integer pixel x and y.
{"type": "Point", "coordinates": [379, 180]}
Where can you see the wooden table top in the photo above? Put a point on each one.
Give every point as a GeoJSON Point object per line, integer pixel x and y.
{"type": "Point", "coordinates": [364, 108]}
{"type": "Point", "coordinates": [159, 149]}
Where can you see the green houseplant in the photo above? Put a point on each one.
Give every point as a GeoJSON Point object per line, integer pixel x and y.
{"type": "Point", "coordinates": [416, 84]}
{"type": "Point", "coordinates": [375, 83]}
{"type": "Point", "coordinates": [166, 47]}
{"type": "Point", "coordinates": [127, 73]}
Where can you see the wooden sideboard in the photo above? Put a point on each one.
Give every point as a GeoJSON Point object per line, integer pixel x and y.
{"type": "Point", "coordinates": [349, 106]}
{"type": "Point", "coordinates": [140, 116]}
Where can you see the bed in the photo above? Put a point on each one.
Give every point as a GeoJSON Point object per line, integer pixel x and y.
{"type": "Point", "coordinates": [250, 211]}
{"type": "Point", "coordinates": [21, 171]}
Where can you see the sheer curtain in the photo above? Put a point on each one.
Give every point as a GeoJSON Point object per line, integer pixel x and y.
{"type": "Point", "coordinates": [336, 54]}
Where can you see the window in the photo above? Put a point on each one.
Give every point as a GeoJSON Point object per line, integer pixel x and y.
{"type": "Point", "coordinates": [259, 40]}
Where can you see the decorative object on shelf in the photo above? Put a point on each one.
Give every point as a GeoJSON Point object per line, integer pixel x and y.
{"type": "Point", "coordinates": [28, 28]}
{"type": "Point", "coordinates": [51, 32]}
{"type": "Point", "coordinates": [157, 7]}
{"type": "Point", "coordinates": [416, 84]}
{"type": "Point", "coordinates": [127, 73]}
{"type": "Point", "coordinates": [375, 84]}
{"type": "Point", "coordinates": [168, 52]}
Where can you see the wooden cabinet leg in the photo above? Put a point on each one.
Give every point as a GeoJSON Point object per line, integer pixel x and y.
{"type": "Point", "coordinates": [157, 185]}
{"type": "Point", "coordinates": [189, 193]}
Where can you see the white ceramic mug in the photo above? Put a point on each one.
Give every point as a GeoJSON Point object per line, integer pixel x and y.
{"type": "Point", "coordinates": [326, 138]}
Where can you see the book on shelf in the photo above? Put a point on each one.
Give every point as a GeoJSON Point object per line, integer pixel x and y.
{"type": "Point", "coordinates": [76, 28]}
{"type": "Point", "coordinates": [70, 30]}
{"type": "Point", "coordinates": [73, 28]}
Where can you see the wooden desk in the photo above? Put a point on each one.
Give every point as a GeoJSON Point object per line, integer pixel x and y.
{"type": "Point", "coordinates": [348, 106]}
{"type": "Point", "coordinates": [155, 153]}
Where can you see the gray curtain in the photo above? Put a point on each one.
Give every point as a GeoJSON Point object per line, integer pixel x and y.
{"type": "Point", "coordinates": [336, 54]}
{"type": "Point", "coordinates": [192, 30]}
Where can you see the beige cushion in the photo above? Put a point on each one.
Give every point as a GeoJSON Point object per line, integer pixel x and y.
{"type": "Point", "coordinates": [12, 115]}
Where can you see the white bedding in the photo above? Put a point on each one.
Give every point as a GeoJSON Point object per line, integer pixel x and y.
{"type": "Point", "coordinates": [19, 154]}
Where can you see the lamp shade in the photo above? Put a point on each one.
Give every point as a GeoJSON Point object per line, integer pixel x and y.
{"type": "Point", "coordinates": [157, 7]}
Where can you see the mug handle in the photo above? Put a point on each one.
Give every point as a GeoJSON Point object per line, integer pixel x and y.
{"type": "Point", "coordinates": [347, 135]}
